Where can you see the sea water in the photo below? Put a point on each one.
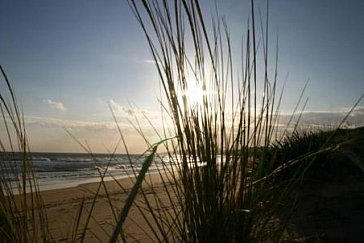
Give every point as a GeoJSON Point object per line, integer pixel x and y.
{"type": "Point", "coordinates": [62, 170]}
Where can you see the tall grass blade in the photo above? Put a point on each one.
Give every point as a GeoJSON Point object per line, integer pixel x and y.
{"type": "Point", "coordinates": [133, 193]}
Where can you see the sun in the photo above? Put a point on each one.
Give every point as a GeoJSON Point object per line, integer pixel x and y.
{"type": "Point", "coordinates": [194, 94]}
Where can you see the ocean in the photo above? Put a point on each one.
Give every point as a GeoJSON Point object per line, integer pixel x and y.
{"type": "Point", "coordinates": [62, 170]}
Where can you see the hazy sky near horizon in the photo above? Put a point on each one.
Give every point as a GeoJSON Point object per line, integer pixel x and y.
{"type": "Point", "coordinates": [70, 60]}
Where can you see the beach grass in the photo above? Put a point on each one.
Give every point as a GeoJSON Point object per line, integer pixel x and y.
{"type": "Point", "coordinates": [223, 183]}
{"type": "Point", "coordinates": [22, 213]}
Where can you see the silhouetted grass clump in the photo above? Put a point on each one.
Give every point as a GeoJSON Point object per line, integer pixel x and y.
{"type": "Point", "coordinates": [221, 189]}
{"type": "Point", "coordinates": [333, 163]}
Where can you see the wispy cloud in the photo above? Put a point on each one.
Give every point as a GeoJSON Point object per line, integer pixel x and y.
{"type": "Point", "coordinates": [358, 112]}
{"type": "Point", "coordinates": [122, 109]}
{"type": "Point", "coordinates": [145, 61]}
{"type": "Point", "coordinates": [49, 134]}
{"type": "Point", "coordinates": [46, 122]}
{"type": "Point", "coordinates": [329, 118]}
{"type": "Point", "coordinates": [57, 105]}
{"type": "Point", "coordinates": [149, 61]}
{"type": "Point", "coordinates": [131, 112]}
{"type": "Point", "coordinates": [97, 127]}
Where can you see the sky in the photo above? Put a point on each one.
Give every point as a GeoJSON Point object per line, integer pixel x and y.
{"type": "Point", "coordinates": [70, 61]}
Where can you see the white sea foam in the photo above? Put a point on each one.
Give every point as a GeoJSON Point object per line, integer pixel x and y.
{"type": "Point", "coordinates": [55, 171]}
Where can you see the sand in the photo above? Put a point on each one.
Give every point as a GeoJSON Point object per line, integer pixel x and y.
{"type": "Point", "coordinates": [63, 205]}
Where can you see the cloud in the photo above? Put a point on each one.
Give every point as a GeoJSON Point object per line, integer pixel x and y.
{"type": "Point", "coordinates": [145, 61]}
{"type": "Point", "coordinates": [46, 122]}
{"type": "Point", "coordinates": [56, 105]}
{"type": "Point", "coordinates": [50, 134]}
{"type": "Point", "coordinates": [328, 118]}
{"type": "Point", "coordinates": [358, 112]}
{"type": "Point", "coordinates": [122, 109]}
{"type": "Point", "coordinates": [150, 61]}
{"type": "Point", "coordinates": [131, 112]}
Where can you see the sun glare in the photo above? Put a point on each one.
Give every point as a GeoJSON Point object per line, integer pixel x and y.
{"type": "Point", "coordinates": [194, 94]}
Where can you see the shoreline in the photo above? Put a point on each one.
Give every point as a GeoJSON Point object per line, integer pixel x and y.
{"type": "Point", "coordinates": [67, 184]}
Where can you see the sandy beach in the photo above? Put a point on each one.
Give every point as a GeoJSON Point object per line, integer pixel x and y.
{"type": "Point", "coordinates": [63, 205]}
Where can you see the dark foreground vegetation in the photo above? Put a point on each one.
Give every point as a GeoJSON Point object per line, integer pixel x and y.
{"type": "Point", "coordinates": [328, 203]}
